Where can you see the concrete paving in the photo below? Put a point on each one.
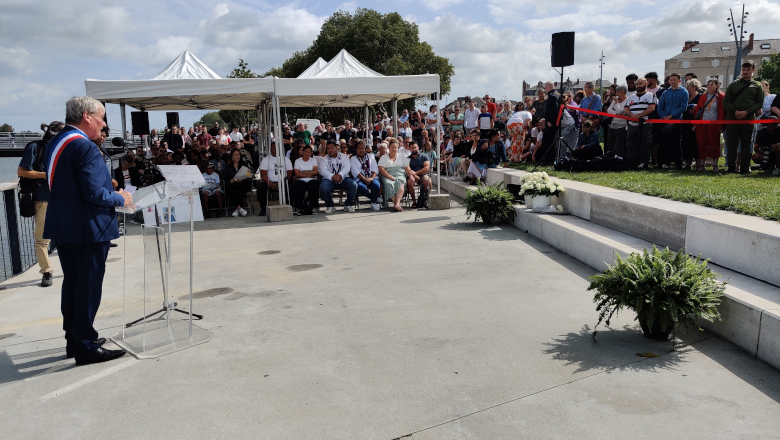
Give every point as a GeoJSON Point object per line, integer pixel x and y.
{"type": "Point", "coordinates": [416, 325]}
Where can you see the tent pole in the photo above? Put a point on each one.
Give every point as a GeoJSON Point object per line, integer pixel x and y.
{"type": "Point", "coordinates": [280, 153]}
{"type": "Point", "coordinates": [368, 130]}
{"type": "Point", "coordinates": [395, 118]}
{"type": "Point", "coordinates": [439, 140]}
{"type": "Point", "coordinates": [124, 123]}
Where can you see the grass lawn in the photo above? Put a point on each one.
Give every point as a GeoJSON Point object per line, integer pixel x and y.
{"type": "Point", "coordinates": [757, 194]}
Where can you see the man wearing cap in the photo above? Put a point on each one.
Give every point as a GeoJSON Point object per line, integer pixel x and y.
{"type": "Point", "coordinates": [270, 177]}
{"type": "Point", "coordinates": [211, 187]}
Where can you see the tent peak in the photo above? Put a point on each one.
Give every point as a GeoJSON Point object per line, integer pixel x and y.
{"type": "Point", "coordinates": [344, 65]}
{"type": "Point", "coordinates": [187, 66]}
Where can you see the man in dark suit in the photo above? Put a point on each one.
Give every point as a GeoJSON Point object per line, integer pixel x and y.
{"type": "Point", "coordinates": [551, 110]}
{"type": "Point", "coordinates": [82, 219]}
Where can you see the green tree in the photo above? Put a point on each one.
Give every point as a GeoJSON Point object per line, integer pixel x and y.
{"type": "Point", "coordinates": [770, 71]}
{"type": "Point", "coordinates": [208, 119]}
{"type": "Point", "coordinates": [240, 118]}
{"type": "Point", "coordinates": [385, 43]}
{"type": "Point", "coordinates": [5, 128]}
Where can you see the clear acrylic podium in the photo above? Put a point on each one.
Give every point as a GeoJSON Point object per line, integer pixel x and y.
{"type": "Point", "coordinates": [154, 336]}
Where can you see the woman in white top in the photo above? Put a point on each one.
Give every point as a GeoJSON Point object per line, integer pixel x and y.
{"type": "Point", "coordinates": [222, 138]}
{"type": "Point", "coordinates": [766, 110]}
{"type": "Point", "coordinates": [306, 170]}
{"type": "Point", "coordinates": [392, 167]}
{"type": "Point", "coordinates": [517, 125]}
{"type": "Point", "coordinates": [616, 141]}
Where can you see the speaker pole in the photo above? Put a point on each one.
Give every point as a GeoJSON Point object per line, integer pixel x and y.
{"type": "Point", "coordinates": [124, 123]}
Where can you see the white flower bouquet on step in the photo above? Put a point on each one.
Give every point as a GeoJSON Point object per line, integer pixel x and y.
{"type": "Point", "coordinates": [539, 184]}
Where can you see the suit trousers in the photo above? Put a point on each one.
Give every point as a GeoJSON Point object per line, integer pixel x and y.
{"type": "Point", "coordinates": [83, 267]}
{"type": "Point", "coordinates": [736, 133]}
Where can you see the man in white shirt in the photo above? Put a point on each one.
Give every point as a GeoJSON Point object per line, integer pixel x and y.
{"type": "Point", "coordinates": [639, 137]}
{"type": "Point", "coordinates": [270, 177]}
{"type": "Point", "coordinates": [366, 174]}
{"type": "Point", "coordinates": [235, 136]}
{"type": "Point", "coordinates": [335, 169]}
{"type": "Point", "coordinates": [404, 117]}
{"type": "Point", "coordinates": [472, 116]}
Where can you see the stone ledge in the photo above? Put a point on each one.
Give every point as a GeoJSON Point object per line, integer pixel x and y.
{"type": "Point", "coordinates": [747, 244]}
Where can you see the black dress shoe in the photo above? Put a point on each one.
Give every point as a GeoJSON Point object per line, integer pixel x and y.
{"type": "Point", "coordinates": [69, 352]}
{"type": "Point", "coordinates": [113, 245]}
{"type": "Point", "coordinates": [97, 356]}
{"type": "Point", "coordinates": [46, 281]}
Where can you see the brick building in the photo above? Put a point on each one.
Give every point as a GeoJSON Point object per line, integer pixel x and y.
{"type": "Point", "coordinates": [716, 60]}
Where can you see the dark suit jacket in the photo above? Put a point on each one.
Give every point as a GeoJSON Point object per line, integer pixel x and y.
{"type": "Point", "coordinates": [82, 202]}
{"type": "Point", "coordinates": [551, 109]}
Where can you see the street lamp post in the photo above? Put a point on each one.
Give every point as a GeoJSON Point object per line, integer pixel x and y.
{"type": "Point", "coordinates": [738, 32]}
{"type": "Point", "coordinates": [601, 72]}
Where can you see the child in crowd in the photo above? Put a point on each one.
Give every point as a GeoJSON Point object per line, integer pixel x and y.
{"type": "Point", "coordinates": [485, 123]}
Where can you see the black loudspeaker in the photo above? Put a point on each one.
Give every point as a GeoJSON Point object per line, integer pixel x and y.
{"type": "Point", "coordinates": [172, 118]}
{"type": "Point", "coordinates": [140, 122]}
{"type": "Point", "coordinates": [562, 49]}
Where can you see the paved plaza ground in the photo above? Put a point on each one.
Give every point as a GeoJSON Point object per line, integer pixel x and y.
{"type": "Point", "coordinates": [416, 325]}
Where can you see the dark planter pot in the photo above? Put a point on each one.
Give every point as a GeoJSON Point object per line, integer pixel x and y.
{"type": "Point", "coordinates": [657, 333]}
{"type": "Point", "coordinates": [489, 219]}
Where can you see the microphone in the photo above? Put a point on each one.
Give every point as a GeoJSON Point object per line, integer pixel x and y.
{"type": "Point", "coordinates": [118, 142]}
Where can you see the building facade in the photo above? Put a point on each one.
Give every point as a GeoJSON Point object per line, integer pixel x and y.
{"type": "Point", "coordinates": [568, 86]}
{"type": "Point", "coordinates": [717, 60]}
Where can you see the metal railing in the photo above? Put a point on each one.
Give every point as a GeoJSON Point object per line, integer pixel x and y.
{"type": "Point", "coordinates": [19, 140]}
{"type": "Point", "coordinates": [17, 234]}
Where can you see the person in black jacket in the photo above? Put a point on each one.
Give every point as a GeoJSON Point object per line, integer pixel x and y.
{"type": "Point", "coordinates": [126, 174]}
{"type": "Point", "coordinates": [551, 117]}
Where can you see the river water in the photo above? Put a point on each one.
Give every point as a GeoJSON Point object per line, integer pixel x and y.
{"type": "Point", "coordinates": [8, 166]}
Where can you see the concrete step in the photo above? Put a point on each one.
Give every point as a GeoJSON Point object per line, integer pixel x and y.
{"type": "Point", "coordinates": [743, 243]}
{"type": "Point", "coordinates": [750, 310]}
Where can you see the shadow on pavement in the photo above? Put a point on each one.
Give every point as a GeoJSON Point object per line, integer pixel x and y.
{"type": "Point", "coordinates": [611, 350]}
{"type": "Point", "coordinates": [26, 365]}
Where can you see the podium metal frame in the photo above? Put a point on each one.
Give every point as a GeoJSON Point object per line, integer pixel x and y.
{"type": "Point", "coordinates": [152, 338]}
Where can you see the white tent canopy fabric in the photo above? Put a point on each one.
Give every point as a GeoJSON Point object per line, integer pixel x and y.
{"type": "Point", "coordinates": [352, 92]}
{"type": "Point", "coordinates": [185, 84]}
{"type": "Point", "coordinates": [313, 69]}
{"type": "Point", "coordinates": [187, 66]}
{"type": "Point", "coordinates": [345, 65]}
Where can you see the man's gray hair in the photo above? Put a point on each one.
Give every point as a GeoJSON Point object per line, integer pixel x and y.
{"type": "Point", "coordinates": [549, 84]}
{"type": "Point", "coordinates": [693, 82]}
{"type": "Point", "coordinates": [77, 105]}
{"type": "Point", "coordinates": [589, 85]}
{"type": "Point", "coordinates": [622, 87]}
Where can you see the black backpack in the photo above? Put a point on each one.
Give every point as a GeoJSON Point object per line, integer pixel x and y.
{"type": "Point", "coordinates": [28, 187]}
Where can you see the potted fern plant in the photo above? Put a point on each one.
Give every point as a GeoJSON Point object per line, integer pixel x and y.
{"type": "Point", "coordinates": [490, 203]}
{"type": "Point", "coordinates": [663, 287]}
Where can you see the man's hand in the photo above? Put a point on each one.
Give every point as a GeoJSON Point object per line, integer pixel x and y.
{"type": "Point", "coordinates": [128, 197]}
{"type": "Point", "coordinates": [337, 178]}
{"type": "Point", "coordinates": [273, 185]}
{"type": "Point", "coordinates": [740, 114]}
{"type": "Point", "coordinates": [667, 117]}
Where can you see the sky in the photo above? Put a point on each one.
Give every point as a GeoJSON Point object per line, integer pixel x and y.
{"type": "Point", "coordinates": [48, 47]}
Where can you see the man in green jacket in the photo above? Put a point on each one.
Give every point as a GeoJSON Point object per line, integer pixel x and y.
{"type": "Point", "coordinates": [744, 97]}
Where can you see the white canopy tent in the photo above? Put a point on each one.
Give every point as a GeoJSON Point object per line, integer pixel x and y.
{"type": "Point", "coordinates": [313, 69]}
{"type": "Point", "coordinates": [188, 84]}
{"type": "Point", "coordinates": [346, 82]}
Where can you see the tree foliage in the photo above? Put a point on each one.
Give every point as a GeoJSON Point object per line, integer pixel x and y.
{"type": "Point", "coordinates": [239, 118]}
{"type": "Point", "coordinates": [770, 71]}
{"type": "Point", "coordinates": [385, 43]}
{"type": "Point", "coordinates": [5, 128]}
{"type": "Point", "coordinates": [210, 118]}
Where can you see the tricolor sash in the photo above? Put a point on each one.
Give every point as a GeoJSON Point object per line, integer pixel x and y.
{"type": "Point", "coordinates": [55, 154]}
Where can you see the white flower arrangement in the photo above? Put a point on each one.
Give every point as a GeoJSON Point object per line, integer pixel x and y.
{"type": "Point", "coordinates": [539, 184]}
